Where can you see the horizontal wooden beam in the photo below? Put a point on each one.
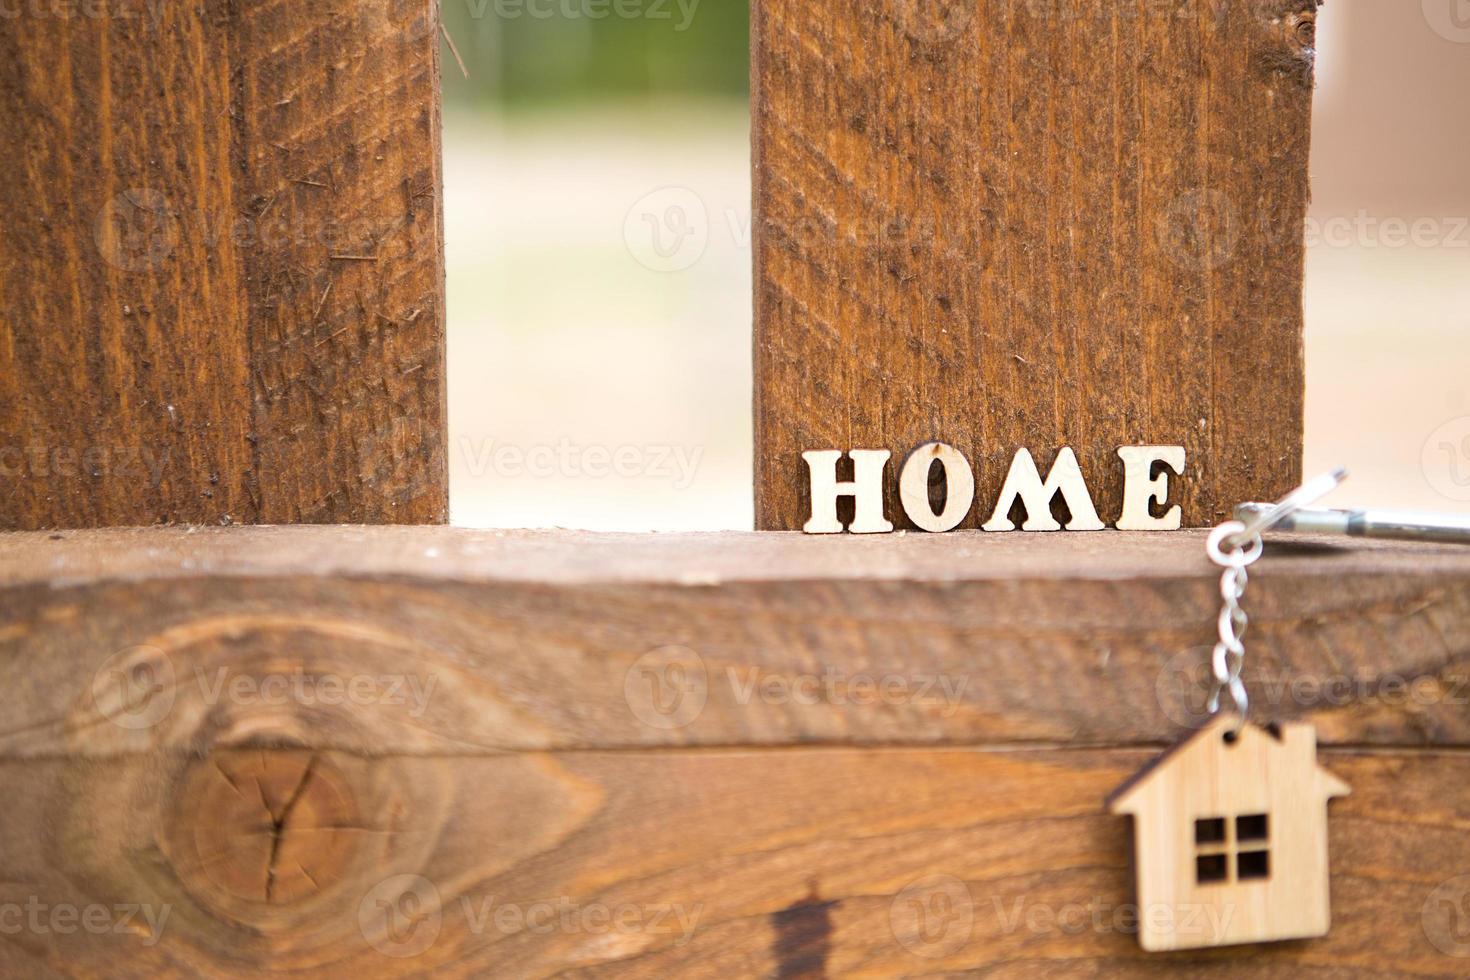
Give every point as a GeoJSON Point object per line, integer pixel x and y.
{"type": "Point", "coordinates": [521, 641]}
{"type": "Point", "coordinates": [373, 752]}
{"type": "Point", "coordinates": [672, 862]}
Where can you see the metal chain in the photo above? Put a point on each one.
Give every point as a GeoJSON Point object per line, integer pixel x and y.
{"type": "Point", "coordinates": [1227, 550]}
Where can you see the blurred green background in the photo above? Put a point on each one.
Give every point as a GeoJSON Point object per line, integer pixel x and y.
{"type": "Point", "coordinates": [527, 53]}
{"type": "Point", "coordinates": [597, 218]}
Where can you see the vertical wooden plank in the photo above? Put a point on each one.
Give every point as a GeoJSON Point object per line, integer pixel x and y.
{"type": "Point", "coordinates": [1094, 214]}
{"type": "Point", "coordinates": [1268, 224]}
{"type": "Point", "coordinates": [221, 268]}
{"type": "Point", "coordinates": [341, 110]}
{"type": "Point", "coordinates": [124, 365]}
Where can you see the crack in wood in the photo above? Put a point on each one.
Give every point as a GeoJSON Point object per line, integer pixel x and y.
{"type": "Point", "coordinates": [279, 822]}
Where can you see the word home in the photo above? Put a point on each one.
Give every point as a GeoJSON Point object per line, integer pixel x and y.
{"type": "Point", "coordinates": [1145, 474]}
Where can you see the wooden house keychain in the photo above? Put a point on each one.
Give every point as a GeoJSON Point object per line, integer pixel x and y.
{"type": "Point", "coordinates": [1230, 826]}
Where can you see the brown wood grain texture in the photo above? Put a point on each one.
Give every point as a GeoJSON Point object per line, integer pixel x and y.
{"type": "Point", "coordinates": [569, 641]}
{"type": "Point", "coordinates": [221, 266]}
{"type": "Point", "coordinates": [381, 752]}
{"type": "Point", "coordinates": [1003, 224]}
{"type": "Point", "coordinates": [735, 863]}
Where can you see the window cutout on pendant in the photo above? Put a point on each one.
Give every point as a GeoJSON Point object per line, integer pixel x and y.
{"type": "Point", "coordinates": [1253, 827]}
{"type": "Point", "coordinates": [1209, 831]}
{"type": "Point", "coordinates": [1211, 869]}
{"type": "Point", "coordinates": [1253, 865]}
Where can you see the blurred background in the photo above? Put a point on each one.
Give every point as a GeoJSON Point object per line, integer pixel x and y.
{"type": "Point", "coordinates": [597, 217]}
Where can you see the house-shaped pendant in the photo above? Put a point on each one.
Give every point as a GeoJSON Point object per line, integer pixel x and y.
{"type": "Point", "coordinates": [1230, 838]}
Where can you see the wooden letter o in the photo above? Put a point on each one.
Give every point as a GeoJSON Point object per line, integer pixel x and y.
{"type": "Point", "coordinates": [913, 487]}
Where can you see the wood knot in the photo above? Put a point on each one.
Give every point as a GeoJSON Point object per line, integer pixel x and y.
{"type": "Point", "coordinates": [258, 830]}
{"type": "Point", "coordinates": [1292, 46]}
{"type": "Point", "coordinates": [1302, 30]}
